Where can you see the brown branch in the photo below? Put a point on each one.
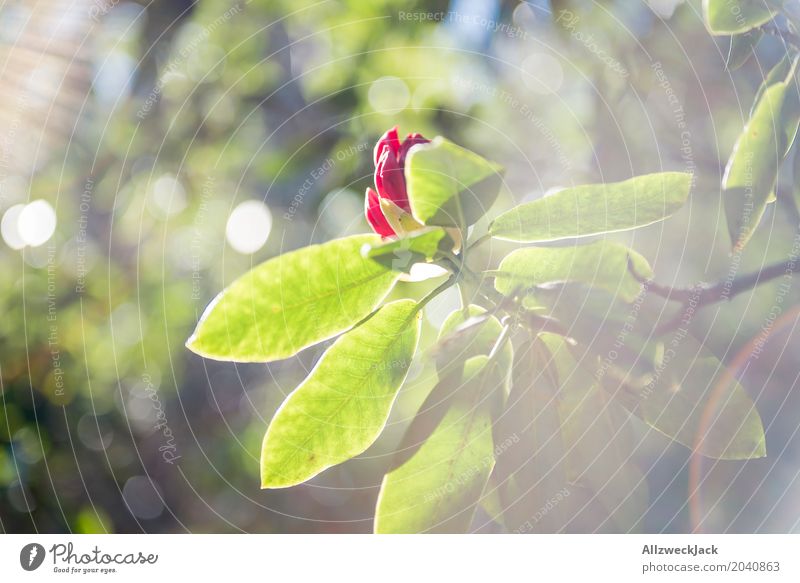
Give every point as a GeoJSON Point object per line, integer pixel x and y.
{"type": "Point", "coordinates": [725, 290]}
{"type": "Point", "coordinates": [785, 35]}
{"type": "Point", "coordinates": [704, 294]}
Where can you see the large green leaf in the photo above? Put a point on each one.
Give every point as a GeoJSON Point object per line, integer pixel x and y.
{"type": "Point", "coordinates": [667, 381]}
{"type": "Point", "coordinates": [438, 488]}
{"type": "Point", "coordinates": [790, 113]}
{"type": "Point", "coordinates": [777, 74]}
{"type": "Point", "coordinates": [610, 490]}
{"type": "Point", "coordinates": [689, 398]}
{"type": "Point", "coordinates": [449, 185]}
{"type": "Point", "coordinates": [752, 170]}
{"type": "Point", "coordinates": [603, 264]}
{"type": "Point", "coordinates": [668, 384]}
{"type": "Point", "coordinates": [461, 338]}
{"type": "Point", "coordinates": [458, 341]}
{"type": "Point", "coordinates": [293, 301]}
{"type": "Point", "coordinates": [736, 16]}
{"type": "Point", "coordinates": [530, 469]}
{"type": "Point", "coordinates": [594, 209]}
{"type": "Point", "coordinates": [341, 407]}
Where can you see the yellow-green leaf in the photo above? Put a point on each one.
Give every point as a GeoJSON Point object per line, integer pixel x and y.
{"type": "Point", "coordinates": [752, 170]}
{"type": "Point", "coordinates": [599, 448]}
{"type": "Point", "coordinates": [449, 185]}
{"type": "Point", "coordinates": [457, 345]}
{"type": "Point", "coordinates": [736, 16]}
{"type": "Point", "coordinates": [603, 264]}
{"type": "Point", "coordinates": [400, 254]}
{"type": "Point", "coordinates": [438, 488]}
{"type": "Point", "coordinates": [340, 409]}
{"type": "Point", "coordinates": [691, 400]}
{"type": "Point", "coordinates": [293, 301]}
{"type": "Point", "coordinates": [594, 209]}
{"type": "Point", "coordinates": [530, 469]}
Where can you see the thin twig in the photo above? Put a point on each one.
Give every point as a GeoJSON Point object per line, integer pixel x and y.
{"type": "Point", "coordinates": [726, 290]}
{"type": "Point", "coordinates": [479, 240]}
{"type": "Point", "coordinates": [450, 281]}
{"type": "Point", "coordinates": [786, 36]}
{"type": "Point", "coordinates": [703, 294]}
{"type": "Point", "coordinates": [501, 340]}
{"type": "Point", "coordinates": [509, 303]}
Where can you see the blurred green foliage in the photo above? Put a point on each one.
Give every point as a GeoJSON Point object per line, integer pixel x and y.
{"type": "Point", "coordinates": [195, 108]}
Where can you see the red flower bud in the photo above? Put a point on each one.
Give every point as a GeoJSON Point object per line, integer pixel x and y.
{"type": "Point", "coordinates": [375, 218]}
{"type": "Point", "coordinates": [390, 157]}
{"type": "Point", "coordinates": [389, 179]}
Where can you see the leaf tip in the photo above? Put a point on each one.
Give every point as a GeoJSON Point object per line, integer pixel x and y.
{"type": "Point", "coordinates": [275, 481]}
{"type": "Point", "coordinates": [192, 343]}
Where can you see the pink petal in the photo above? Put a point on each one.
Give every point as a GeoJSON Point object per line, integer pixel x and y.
{"type": "Point", "coordinates": [389, 180]}
{"type": "Point", "coordinates": [375, 218]}
{"type": "Point", "coordinates": [411, 140]}
{"type": "Point", "coordinates": [391, 140]}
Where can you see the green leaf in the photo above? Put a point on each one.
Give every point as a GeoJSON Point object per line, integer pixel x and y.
{"type": "Point", "coordinates": [438, 488]}
{"type": "Point", "coordinates": [417, 247]}
{"type": "Point", "coordinates": [741, 48]}
{"type": "Point", "coordinates": [293, 301]}
{"type": "Point", "coordinates": [777, 74]}
{"type": "Point", "coordinates": [790, 112]}
{"type": "Point", "coordinates": [752, 170]}
{"type": "Point", "coordinates": [736, 16]}
{"type": "Point", "coordinates": [449, 185]}
{"type": "Point", "coordinates": [599, 443]}
{"type": "Point", "coordinates": [667, 381]}
{"type": "Point", "coordinates": [458, 341]}
{"type": "Point", "coordinates": [529, 450]}
{"type": "Point", "coordinates": [429, 416]}
{"type": "Point", "coordinates": [690, 399]}
{"type": "Point", "coordinates": [491, 503]}
{"type": "Point", "coordinates": [603, 264]}
{"type": "Point", "coordinates": [594, 209]}
{"type": "Point", "coordinates": [340, 409]}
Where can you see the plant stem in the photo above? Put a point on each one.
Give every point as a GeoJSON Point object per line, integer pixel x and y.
{"type": "Point", "coordinates": [786, 36]}
{"type": "Point", "coordinates": [702, 294]}
{"type": "Point", "coordinates": [501, 340]}
{"type": "Point", "coordinates": [479, 240]}
{"type": "Point", "coordinates": [462, 290]}
{"type": "Point", "coordinates": [510, 305]}
{"type": "Point", "coordinates": [436, 291]}
{"type": "Point", "coordinates": [464, 271]}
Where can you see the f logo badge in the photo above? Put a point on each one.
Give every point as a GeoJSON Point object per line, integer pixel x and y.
{"type": "Point", "coordinates": [31, 556]}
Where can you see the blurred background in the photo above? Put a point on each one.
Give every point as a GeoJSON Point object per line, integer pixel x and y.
{"type": "Point", "coordinates": [153, 151]}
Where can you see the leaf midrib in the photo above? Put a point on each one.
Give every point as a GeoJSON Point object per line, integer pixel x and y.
{"type": "Point", "coordinates": [348, 287]}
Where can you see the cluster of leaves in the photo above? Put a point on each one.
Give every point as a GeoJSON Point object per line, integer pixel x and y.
{"type": "Point", "coordinates": [751, 175]}
{"type": "Point", "coordinates": [525, 407]}
{"type": "Point", "coordinates": [132, 319]}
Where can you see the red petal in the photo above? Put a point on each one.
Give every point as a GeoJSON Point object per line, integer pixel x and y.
{"type": "Point", "coordinates": [375, 218]}
{"type": "Point", "coordinates": [411, 140]}
{"type": "Point", "coordinates": [389, 180]}
{"type": "Point", "coordinates": [391, 140]}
